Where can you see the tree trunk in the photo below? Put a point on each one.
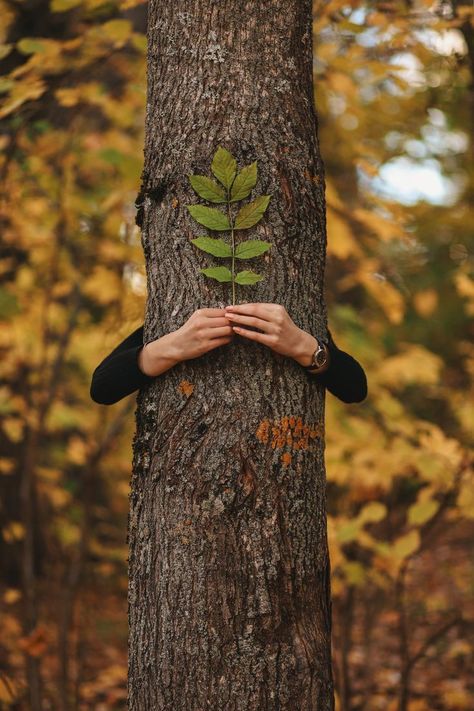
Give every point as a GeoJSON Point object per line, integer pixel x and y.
{"type": "Point", "coordinates": [229, 593]}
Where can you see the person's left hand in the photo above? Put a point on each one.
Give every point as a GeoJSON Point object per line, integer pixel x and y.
{"type": "Point", "coordinates": [278, 330]}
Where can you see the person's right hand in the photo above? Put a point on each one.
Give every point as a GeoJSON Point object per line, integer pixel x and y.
{"type": "Point", "coordinates": [204, 330]}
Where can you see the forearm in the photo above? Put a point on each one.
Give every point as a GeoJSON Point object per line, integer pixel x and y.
{"type": "Point", "coordinates": [159, 356]}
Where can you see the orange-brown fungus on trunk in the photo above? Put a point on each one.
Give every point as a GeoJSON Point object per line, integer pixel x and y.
{"type": "Point", "coordinates": [288, 431]}
{"type": "Point", "coordinates": [186, 387]}
{"type": "Point", "coordinates": [262, 431]}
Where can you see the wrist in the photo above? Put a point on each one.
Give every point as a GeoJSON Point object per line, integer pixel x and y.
{"type": "Point", "coordinates": [306, 345]}
{"type": "Point", "coordinates": [158, 355]}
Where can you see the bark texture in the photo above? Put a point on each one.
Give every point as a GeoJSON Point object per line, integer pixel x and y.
{"type": "Point", "coordinates": [229, 593]}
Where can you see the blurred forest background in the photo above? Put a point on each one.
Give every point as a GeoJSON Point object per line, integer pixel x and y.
{"type": "Point", "coordinates": [394, 88]}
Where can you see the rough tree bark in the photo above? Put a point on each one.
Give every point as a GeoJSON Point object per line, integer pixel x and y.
{"type": "Point", "coordinates": [229, 593]}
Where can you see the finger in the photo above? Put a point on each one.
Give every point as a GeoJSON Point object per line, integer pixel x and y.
{"type": "Point", "coordinates": [254, 335]}
{"type": "Point", "coordinates": [238, 319]}
{"type": "Point", "coordinates": [211, 312]}
{"type": "Point", "coordinates": [216, 322]}
{"type": "Point", "coordinates": [218, 332]}
{"type": "Point", "coordinates": [260, 310]}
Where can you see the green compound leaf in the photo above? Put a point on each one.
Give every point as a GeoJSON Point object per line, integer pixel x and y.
{"type": "Point", "coordinates": [207, 188]}
{"type": "Point", "coordinates": [247, 277]}
{"type": "Point", "coordinates": [250, 214]}
{"type": "Point", "coordinates": [224, 166]}
{"type": "Point", "coordinates": [251, 248]}
{"type": "Point", "coordinates": [244, 182]}
{"type": "Point", "coordinates": [219, 273]}
{"type": "Point", "coordinates": [209, 217]}
{"type": "Point", "coordinates": [216, 247]}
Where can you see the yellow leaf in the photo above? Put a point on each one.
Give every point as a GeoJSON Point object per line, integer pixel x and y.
{"type": "Point", "coordinates": [103, 285]}
{"type": "Point", "coordinates": [388, 297]}
{"type": "Point", "coordinates": [9, 689]}
{"type": "Point", "coordinates": [355, 572]}
{"type": "Point", "coordinates": [342, 83]}
{"type": "Point", "coordinates": [64, 5]}
{"type": "Point", "coordinates": [26, 90]}
{"type": "Point", "coordinates": [372, 512]}
{"type": "Point", "coordinates": [68, 533]}
{"type": "Point", "coordinates": [77, 450]}
{"type": "Point", "coordinates": [465, 499]}
{"type": "Point", "coordinates": [58, 496]}
{"type": "Point", "coordinates": [434, 440]}
{"type": "Point", "coordinates": [390, 407]}
{"type": "Point", "coordinates": [457, 698]}
{"type": "Point", "coordinates": [30, 45]}
{"type": "Point", "coordinates": [425, 302]}
{"type": "Point", "coordinates": [348, 531]}
{"type": "Point", "coordinates": [385, 228]}
{"type": "Point", "coordinates": [14, 531]}
{"type": "Point", "coordinates": [13, 428]}
{"type": "Point", "coordinates": [7, 466]}
{"type": "Point", "coordinates": [117, 30]}
{"type": "Point", "coordinates": [422, 511]}
{"type": "Point", "coordinates": [11, 596]}
{"type": "Point", "coordinates": [67, 97]}
{"type": "Point", "coordinates": [406, 545]}
{"type": "Point", "coordinates": [415, 364]}
{"type": "Point", "coordinates": [341, 241]}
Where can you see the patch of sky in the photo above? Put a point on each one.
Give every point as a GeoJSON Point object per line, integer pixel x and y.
{"type": "Point", "coordinates": [410, 180]}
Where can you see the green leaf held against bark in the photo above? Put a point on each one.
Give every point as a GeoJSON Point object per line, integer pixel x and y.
{"type": "Point", "coordinates": [248, 277]}
{"type": "Point", "coordinates": [251, 248]}
{"type": "Point", "coordinates": [209, 217]}
{"type": "Point", "coordinates": [244, 182]}
{"type": "Point", "coordinates": [250, 214]}
{"type": "Point", "coordinates": [224, 166]}
{"type": "Point", "coordinates": [218, 273]}
{"type": "Point", "coordinates": [207, 188]}
{"type": "Point", "coordinates": [238, 186]}
{"type": "Point", "coordinates": [216, 247]}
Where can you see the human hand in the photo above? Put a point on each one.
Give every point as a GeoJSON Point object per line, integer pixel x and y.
{"type": "Point", "coordinates": [204, 330]}
{"type": "Point", "coordinates": [279, 332]}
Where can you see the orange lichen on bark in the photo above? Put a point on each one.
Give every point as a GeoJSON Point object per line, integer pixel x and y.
{"type": "Point", "coordinates": [262, 431]}
{"type": "Point", "coordinates": [186, 387]}
{"type": "Point", "coordinates": [290, 431]}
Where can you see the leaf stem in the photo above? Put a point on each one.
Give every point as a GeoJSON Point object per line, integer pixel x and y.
{"type": "Point", "coordinates": [232, 247]}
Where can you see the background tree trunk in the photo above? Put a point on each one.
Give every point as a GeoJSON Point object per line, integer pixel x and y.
{"type": "Point", "coordinates": [229, 594]}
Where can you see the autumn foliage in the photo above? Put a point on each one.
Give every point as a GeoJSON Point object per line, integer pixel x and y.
{"type": "Point", "coordinates": [392, 81]}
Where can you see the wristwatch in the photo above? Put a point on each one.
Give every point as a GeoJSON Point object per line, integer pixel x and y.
{"type": "Point", "coordinates": [320, 356]}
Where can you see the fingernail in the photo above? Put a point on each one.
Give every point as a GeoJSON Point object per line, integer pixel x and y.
{"type": "Point", "coordinates": [229, 308]}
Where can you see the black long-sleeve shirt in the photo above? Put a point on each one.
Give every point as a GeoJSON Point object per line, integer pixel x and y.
{"type": "Point", "coordinates": [119, 374]}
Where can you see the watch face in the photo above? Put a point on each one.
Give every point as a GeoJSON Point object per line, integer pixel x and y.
{"type": "Point", "coordinates": [322, 357]}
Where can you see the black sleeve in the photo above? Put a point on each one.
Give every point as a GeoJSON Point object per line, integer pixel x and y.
{"type": "Point", "coordinates": [345, 378]}
{"type": "Point", "coordinates": [119, 374]}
